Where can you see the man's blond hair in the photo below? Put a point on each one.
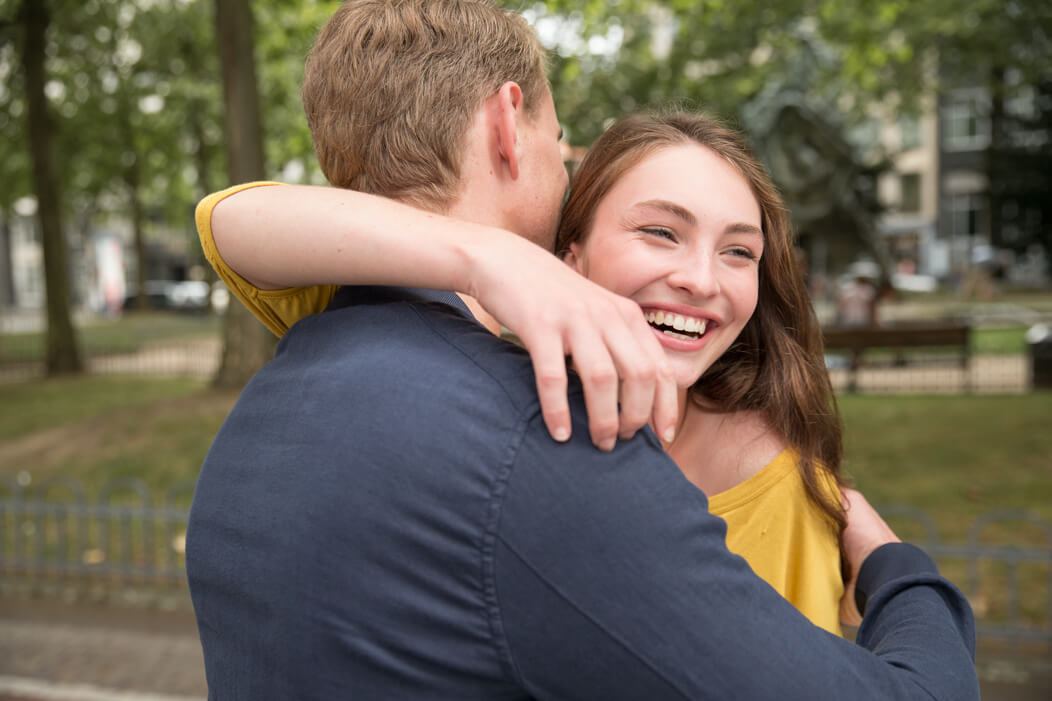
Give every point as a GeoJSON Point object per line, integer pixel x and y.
{"type": "Point", "coordinates": [391, 87]}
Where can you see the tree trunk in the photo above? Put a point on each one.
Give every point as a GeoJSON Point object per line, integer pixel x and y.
{"type": "Point", "coordinates": [247, 344]}
{"type": "Point", "coordinates": [131, 173]}
{"type": "Point", "coordinates": [998, 144]}
{"type": "Point", "coordinates": [131, 182]}
{"type": "Point", "coordinates": [62, 353]}
{"type": "Point", "coordinates": [7, 276]}
{"type": "Point", "coordinates": [204, 181]}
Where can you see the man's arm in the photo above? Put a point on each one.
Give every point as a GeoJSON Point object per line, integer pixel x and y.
{"type": "Point", "coordinates": [297, 236]}
{"type": "Point", "coordinates": [611, 580]}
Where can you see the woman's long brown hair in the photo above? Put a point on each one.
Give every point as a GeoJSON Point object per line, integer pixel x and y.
{"type": "Point", "coordinates": [776, 365]}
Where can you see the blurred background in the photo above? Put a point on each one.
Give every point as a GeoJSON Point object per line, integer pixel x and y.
{"type": "Point", "coordinates": [912, 142]}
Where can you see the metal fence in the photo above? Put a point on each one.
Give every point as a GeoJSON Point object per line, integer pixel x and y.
{"type": "Point", "coordinates": [54, 538]}
{"type": "Point", "coordinates": [1004, 567]}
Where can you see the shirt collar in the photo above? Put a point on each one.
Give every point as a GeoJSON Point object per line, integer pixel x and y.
{"type": "Point", "coordinates": [349, 296]}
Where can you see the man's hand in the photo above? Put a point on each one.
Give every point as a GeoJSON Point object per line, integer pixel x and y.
{"type": "Point", "coordinates": [557, 313]}
{"type": "Point", "coordinates": [865, 532]}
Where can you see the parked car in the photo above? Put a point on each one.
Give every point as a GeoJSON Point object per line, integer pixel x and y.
{"type": "Point", "coordinates": [185, 295]}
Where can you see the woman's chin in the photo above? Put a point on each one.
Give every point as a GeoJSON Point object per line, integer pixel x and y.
{"type": "Point", "coordinates": [685, 379]}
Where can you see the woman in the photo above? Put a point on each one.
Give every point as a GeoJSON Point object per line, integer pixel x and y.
{"type": "Point", "coordinates": [672, 212]}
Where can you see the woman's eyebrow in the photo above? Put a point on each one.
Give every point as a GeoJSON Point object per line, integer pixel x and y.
{"type": "Point", "coordinates": [743, 228]}
{"type": "Point", "coordinates": [671, 207]}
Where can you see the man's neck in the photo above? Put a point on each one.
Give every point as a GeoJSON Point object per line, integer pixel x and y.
{"type": "Point", "coordinates": [480, 314]}
{"type": "Point", "coordinates": [468, 206]}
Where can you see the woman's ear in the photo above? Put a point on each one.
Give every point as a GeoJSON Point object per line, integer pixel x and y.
{"type": "Point", "coordinates": [573, 258]}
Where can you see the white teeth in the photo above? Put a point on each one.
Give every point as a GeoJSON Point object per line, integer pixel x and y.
{"type": "Point", "coordinates": [678, 322]}
{"type": "Point", "coordinates": [695, 326]}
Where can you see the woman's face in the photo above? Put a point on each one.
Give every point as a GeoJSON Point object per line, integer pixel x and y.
{"type": "Point", "coordinates": [680, 234]}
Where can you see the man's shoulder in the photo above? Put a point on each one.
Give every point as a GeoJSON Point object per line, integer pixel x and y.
{"type": "Point", "coordinates": [424, 342]}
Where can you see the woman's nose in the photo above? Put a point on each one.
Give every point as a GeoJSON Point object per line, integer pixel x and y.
{"type": "Point", "coordinates": [696, 275]}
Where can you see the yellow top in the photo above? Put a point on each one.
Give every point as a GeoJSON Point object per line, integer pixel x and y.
{"type": "Point", "coordinates": [277, 309]}
{"type": "Point", "coordinates": [771, 522]}
{"type": "Point", "coordinates": [786, 538]}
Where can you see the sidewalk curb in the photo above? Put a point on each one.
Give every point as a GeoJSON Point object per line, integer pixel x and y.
{"type": "Point", "coordinates": [24, 688]}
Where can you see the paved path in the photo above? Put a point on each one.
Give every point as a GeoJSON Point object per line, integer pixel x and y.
{"type": "Point", "coordinates": [49, 650]}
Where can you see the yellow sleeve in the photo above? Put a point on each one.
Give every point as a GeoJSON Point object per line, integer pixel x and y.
{"type": "Point", "coordinates": [277, 309]}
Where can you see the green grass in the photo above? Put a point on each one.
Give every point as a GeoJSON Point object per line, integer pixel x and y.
{"type": "Point", "coordinates": [1006, 341]}
{"type": "Point", "coordinates": [952, 457]}
{"type": "Point", "coordinates": [35, 406]}
{"type": "Point", "coordinates": [97, 429]}
{"type": "Point", "coordinates": [124, 335]}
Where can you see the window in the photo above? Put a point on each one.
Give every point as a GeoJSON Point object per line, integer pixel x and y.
{"type": "Point", "coordinates": [966, 215]}
{"type": "Point", "coordinates": [966, 121]}
{"type": "Point", "coordinates": [910, 192]}
{"type": "Point", "coordinates": [909, 133]}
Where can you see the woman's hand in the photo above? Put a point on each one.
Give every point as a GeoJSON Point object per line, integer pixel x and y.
{"type": "Point", "coordinates": [865, 532]}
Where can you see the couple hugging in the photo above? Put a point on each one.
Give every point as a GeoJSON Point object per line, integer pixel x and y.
{"type": "Point", "coordinates": [403, 505]}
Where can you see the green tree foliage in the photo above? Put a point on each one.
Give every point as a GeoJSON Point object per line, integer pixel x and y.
{"type": "Point", "coordinates": [134, 90]}
{"type": "Point", "coordinates": [610, 57]}
{"type": "Point", "coordinates": [851, 58]}
{"type": "Point", "coordinates": [134, 87]}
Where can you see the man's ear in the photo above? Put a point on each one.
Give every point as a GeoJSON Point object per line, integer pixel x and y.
{"type": "Point", "coordinates": [509, 109]}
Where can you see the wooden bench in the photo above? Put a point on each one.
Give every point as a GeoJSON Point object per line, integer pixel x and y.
{"type": "Point", "coordinates": [856, 340]}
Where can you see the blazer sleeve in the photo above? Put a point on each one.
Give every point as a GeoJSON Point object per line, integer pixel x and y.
{"type": "Point", "coordinates": [611, 580]}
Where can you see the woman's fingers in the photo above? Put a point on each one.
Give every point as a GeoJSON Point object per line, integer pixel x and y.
{"type": "Point", "coordinates": [599, 377]}
{"type": "Point", "coordinates": [549, 368]}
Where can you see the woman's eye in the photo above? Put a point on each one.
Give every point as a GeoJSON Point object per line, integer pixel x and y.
{"type": "Point", "coordinates": [660, 232]}
{"type": "Point", "coordinates": [743, 253]}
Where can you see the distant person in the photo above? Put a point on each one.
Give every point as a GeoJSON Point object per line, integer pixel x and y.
{"type": "Point", "coordinates": [383, 514]}
{"type": "Point", "coordinates": [857, 302]}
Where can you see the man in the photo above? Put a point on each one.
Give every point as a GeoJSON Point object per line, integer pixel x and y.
{"type": "Point", "coordinates": [384, 516]}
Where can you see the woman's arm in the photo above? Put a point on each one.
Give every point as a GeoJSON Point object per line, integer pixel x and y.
{"type": "Point", "coordinates": [295, 236]}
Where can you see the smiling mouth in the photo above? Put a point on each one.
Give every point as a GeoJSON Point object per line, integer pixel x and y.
{"type": "Point", "coordinates": [685, 328]}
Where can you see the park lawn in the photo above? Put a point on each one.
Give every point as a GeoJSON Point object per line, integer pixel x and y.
{"type": "Point", "coordinates": [999, 341]}
{"type": "Point", "coordinates": [954, 457]}
{"type": "Point", "coordinates": [96, 429]}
